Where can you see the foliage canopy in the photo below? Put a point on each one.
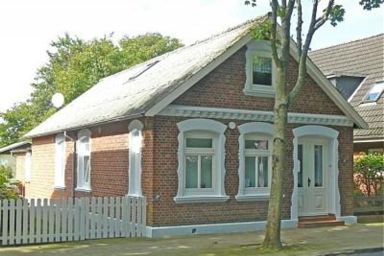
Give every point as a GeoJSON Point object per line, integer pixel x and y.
{"type": "Point", "coordinates": [74, 65]}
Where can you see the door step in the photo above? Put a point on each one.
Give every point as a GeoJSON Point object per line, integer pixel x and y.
{"type": "Point", "coordinates": [319, 221]}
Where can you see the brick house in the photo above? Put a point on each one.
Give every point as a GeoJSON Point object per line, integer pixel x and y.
{"type": "Point", "coordinates": [356, 70]}
{"type": "Point", "coordinates": [191, 130]}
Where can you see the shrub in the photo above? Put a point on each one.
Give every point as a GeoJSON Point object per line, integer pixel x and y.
{"type": "Point", "coordinates": [369, 173]}
{"type": "Point", "coordinates": [8, 188]}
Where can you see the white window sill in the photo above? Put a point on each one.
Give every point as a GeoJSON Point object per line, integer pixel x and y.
{"type": "Point", "coordinates": [83, 189]}
{"type": "Point", "coordinates": [201, 199]}
{"type": "Point", "coordinates": [58, 187]}
{"type": "Point", "coordinates": [252, 197]}
{"type": "Point", "coordinates": [134, 195]}
{"type": "Point", "coordinates": [259, 91]}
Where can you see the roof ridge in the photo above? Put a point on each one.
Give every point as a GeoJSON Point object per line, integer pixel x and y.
{"type": "Point", "coordinates": [158, 58]}
{"type": "Point", "coordinates": [258, 18]}
{"type": "Point", "coordinates": [349, 42]}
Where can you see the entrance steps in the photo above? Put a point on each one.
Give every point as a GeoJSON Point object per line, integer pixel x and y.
{"type": "Point", "coordinates": [319, 221]}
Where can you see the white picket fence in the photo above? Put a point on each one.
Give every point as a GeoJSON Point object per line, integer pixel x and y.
{"type": "Point", "coordinates": [47, 220]}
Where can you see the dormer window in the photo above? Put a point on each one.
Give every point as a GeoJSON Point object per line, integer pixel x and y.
{"type": "Point", "coordinates": [259, 70]}
{"type": "Point", "coordinates": [374, 93]}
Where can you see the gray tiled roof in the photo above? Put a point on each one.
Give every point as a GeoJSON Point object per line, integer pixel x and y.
{"type": "Point", "coordinates": [133, 91]}
{"type": "Point", "coordinates": [14, 146]}
{"type": "Point", "coordinates": [363, 57]}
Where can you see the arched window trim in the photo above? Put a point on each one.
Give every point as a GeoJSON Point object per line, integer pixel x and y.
{"type": "Point", "coordinates": [135, 140]}
{"type": "Point", "coordinates": [262, 130]}
{"type": "Point", "coordinates": [59, 181]}
{"type": "Point", "coordinates": [218, 191]}
{"type": "Point", "coordinates": [82, 185]}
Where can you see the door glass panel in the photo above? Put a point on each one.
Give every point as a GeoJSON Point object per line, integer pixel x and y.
{"type": "Point", "coordinates": [318, 165]}
{"type": "Point", "coordinates": [191, 170]}
{"type": "Point", "coordinates": [300, 158]}
{"type": "Point", "coordinates": [250, 172]}
{"type": "Point", "coordinates": [206, 172]}
{"type": "Point", "coordinates": [262, 172]}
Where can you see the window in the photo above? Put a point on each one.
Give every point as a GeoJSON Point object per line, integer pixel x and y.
{"type": "Point", "coordinates": [255, 161]}
{"type": "Point", "coordinates": [60, 161]}
{"type": "Point", "coordinates": [374, 93]}
{"type": "Point", "coordinates": [259, 70]}
{"type": "Point", "coordinates": [262, 70]}
{"type": "Point", "coordinates": [84, 161]}
{"type": "Point", "coordinates": [257, 158]}
{"type": "Point", "coordinates": [135, 146]}
{"type": "Point", "coordinates": [199, 162]}
{"type": "Point", "coordinates": [28, 166]}
{"type": "Point", "coordinates": [201, 158]}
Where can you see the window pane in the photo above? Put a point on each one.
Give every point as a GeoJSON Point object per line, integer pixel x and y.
{"type": "Point", "coordinates": [250, 172]}
{"type": "Point", "coordinates": [191, 172]}
{"type": "Point", "coordinates": [318, 166]}
{"type": "Point", "coordinates": [375, 92]}
{"type": "Point", "coordinates": [256, 144]}
{"type": "Point", "coordinates": [262, 70]}
{"type": "Point", "coordinates": [86, 169]}
{"type": "Point", "coordinates": [199, 143]}
{"type": "Point", "coordinates": [80, 171]}
{"type": "Point", "coordinates": [262, 172]}
{"type": "Point", "coordinates": [300, 173]}
{"type": "Point", "coordinates": [206, 172]}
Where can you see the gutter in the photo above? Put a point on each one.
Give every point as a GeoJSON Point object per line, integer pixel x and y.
{"type": "Point", "coordinates": [90, 125]}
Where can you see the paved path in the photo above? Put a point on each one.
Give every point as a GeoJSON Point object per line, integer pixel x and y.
{"type": "Point", "coordinates": [316, 241]}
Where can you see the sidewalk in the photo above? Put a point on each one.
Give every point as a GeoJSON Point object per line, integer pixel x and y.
{"type": "Point", "coordinates": [316, 241]}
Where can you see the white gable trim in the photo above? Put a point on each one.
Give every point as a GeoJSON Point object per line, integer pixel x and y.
{"type": "Point", "coordinates": [253, 115]}
{"type": "Point", "coordinates": [159, 106]}
{"type": "Point", "coordinates": [312, 70]}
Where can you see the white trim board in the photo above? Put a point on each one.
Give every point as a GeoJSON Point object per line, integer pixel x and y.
{"type": "Point", "coordinates": [253, 115]}
{"type": "Point", "coordinates": [164, 102]}
{"type": "Point", "coordinates": [153, 232]}
{"type": "Point", "coordinates": [312, 70]}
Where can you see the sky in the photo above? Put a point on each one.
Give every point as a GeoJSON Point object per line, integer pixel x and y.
{"type": "Point", "coordinates": [28, 26]}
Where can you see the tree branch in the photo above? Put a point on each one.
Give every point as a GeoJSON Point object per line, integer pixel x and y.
{"type": "Point", "coordinates": [276, 59]}
{"type": "Point", "coordinates": [303, 58]}
{"type": "Point", "coordinates": [299, 39]}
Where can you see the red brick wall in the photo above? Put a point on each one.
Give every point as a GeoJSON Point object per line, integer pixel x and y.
{"type": "Point", "coordinates": [109, 164]}
{"type": "Point", "coordinates": [223, 87]}
{"type": "Point", "coordinates": [167, 212]}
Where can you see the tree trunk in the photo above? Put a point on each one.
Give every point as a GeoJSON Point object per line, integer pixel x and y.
{"type": "Point", "coordinates": [272, 235]}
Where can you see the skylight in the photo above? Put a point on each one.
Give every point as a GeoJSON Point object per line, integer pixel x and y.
{"type": "Point", "coordinates": [374, 93]}
{"type": "Point", "coordinates": [145, 68]}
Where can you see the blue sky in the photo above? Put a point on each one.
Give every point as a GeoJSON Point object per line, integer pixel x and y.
{"type": "Point", "coordinates": [28, 26]}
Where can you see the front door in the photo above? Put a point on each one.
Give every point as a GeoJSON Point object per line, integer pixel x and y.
{"type": "Point", "coordinates": [312, 176]}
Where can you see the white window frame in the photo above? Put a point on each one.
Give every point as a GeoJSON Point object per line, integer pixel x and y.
{"type": "Point", "coordinates": [260, 48]}
{"type": "Point", "coordinates": [200, 128]}
{"type": "Point", "coordinates": [28, 167]}
{"type": "Point", "coordinates": [81, 184]}
{"type": "Point", "coordinates": [377, 88]}
{"type": "Point", "coordinates": [260, 131]}
{"type": "Point", "coordinates": [199, 152]}
{"type": "Point", "coordinates": [135, 142]}
{"type": "Point", "coordinates": [60, 146]}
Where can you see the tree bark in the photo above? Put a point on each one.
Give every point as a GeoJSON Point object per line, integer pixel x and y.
{"type": "Point", "coordinates": [272, 236]}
